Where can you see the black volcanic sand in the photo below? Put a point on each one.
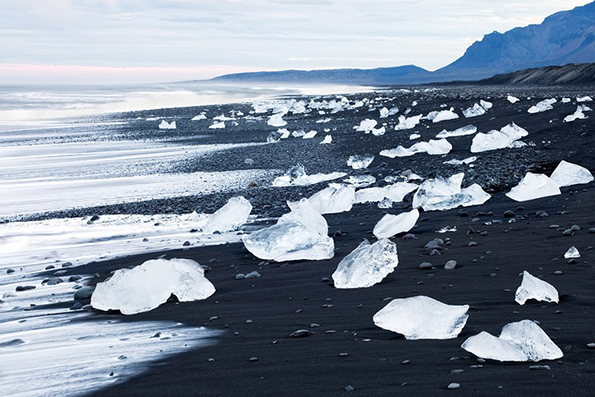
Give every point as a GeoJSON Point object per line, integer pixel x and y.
{"type": "Point", "coordinates": [347, 349]}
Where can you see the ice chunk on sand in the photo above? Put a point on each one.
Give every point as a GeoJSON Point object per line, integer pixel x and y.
{"type": "Point", "coordinates": [433, 147]}
{"type": "Point", "coordinates": [274, 137]}
{"type": "Point", "coordinates": [467, 130]}
{"type": "Point", "coordinates": [229, 217]}
{"type": "Point", "coordinates": [360, 180]}
{"type": "Point", "coordinates": [391, 225]}
{"type": "Point", "coordinates": [486, 105]}
{"type": "Point", "coordinates": [164, 125]}
{"type": "Point", "coordinates": [147, 286]}
{"type": "Point", "coordinates": [442, 115]}
{"type": "Point", "coordinates": [533, 186]}
{"type": "Point", "coordinates": [284, 133]}
{"type": "Point", "coordinates": [585, 98]}
{"type": "Point", "coordinates": [577, 115]}
{"type": "Point", "coordinates": [494, 140]}
{"type": "Point", "coordinates": [512, 99]}
{"type": "Point", "coordinates": [310, 134]}
{"type": "Point", "coordinates": [566, 100]}
{"type": "Point", "coordinates": [276, 120]}
{"type": "Point", "coordinates": [533, 288]}
{"type": "Point", "coordinates": [465, 161]}
{"type": "Point", "coordinates": [414, 137]}
{"type": "Point", "coordinates": [474, 111]}
{"type": "Point", "coordinates": [572, 253]}
{"type": "Point", "coordinates": [520, 341]}
{"type": "Point", "coordinates": [297, 176]}
{"type": "Point", "coordinates": [567, 174]}
{"type": "Point", "coordinates": [219, 125]}
{"type": "Point", "coordinates": [378, 131]}
{"type": "Point", "coordinates": [299, 235]}
{"type": "Point", "coordinates": [366, 125]}
{"type": "Point", "coordinates": [395, 192]}
{"type": "Point", "coordinates": [422, 317]}
{"type": "Point", "coordinates": [542, 106]}
{"type": "Point", "coordinates": [359, 161]}
{"type": "Point", "coordinates": [367, 265]}
{"type": "Point", "coordinates": [442, 194]}
{"type": "Point", "coordinates": [199, 117]}
{"type": "Point", "coordinates": [327, 139]}
{"type": "Point", "coordinates": [406, 123]}
{"type": "Point", "coordinates": [334, 199]}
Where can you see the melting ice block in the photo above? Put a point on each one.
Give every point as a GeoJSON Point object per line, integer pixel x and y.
{"type": "Point", "coordinates": [395, 192]}
{"type": "Point", "coordinates": [422, 317]}
{"type": "Point", "coordinates": [147, 286]}
{"type": "Point", "coordinates": [276, 120]}
{"type": "Point", "coordinates": [406, 123]}
{"type": "Point", "coordinates": [577, 115]}
{"type": "Point", "coordinates": [433, 147]}
{"type": "Point", "coordinates": [229, 217]}
{"type": "Point", "coordinates": [442, 115]}
{"type": "Point", "coordinates": [358, 161]}
{"type": "Point", "coordinates": [474, 111]}
{"type": "Point", "coordinates": [572, 253]}
{"type": "Point", "coordinates": [296, 176]}
{"type": "Point", "coordinates": [533, 186]}
{"type": "Point", "coordinates": [533, 288]}
{"type": "Point", "coordinates": [300, 234]}
{"type": "Point", "coordinates": [567, 174]}
{"type": "Point", "coordinates": [542, 106]}
{"type": "Point", "coordinates": [391, 225]}
{"type": "Point", "coordinates": [164, 125]}
{"type": "Point", "coordinates": [512, 99]}
{"type": "Point", "coordinates": [219, 125]}
{"type": "Point", "coordinates": [467, 130]}
{"type": "Point", "coordinates": [520, 341]}
{"type": "Point", "coordinates": [334, 199]}
{"type": "Point", "coordinates": [366, 125]}
{"type": "Point", "coordinates": [327, 139]}
{"type": "Point", "coordinates": [367, 265]}
{"type": "Point", "coordinates": [442, 194]}
{"type": "Point", "coordinates": [494, 139]}
{"type": "Point", "coordinates": [360, 180]}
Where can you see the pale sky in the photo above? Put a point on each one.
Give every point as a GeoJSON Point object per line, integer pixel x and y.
{"type": "Point", "coordinates": [112, 41]}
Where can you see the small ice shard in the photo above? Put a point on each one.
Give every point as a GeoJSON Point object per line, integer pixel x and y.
{"type": "Point", "coordinates": [147, 286]}
{"type": "Point", "coordinates": [442, 194]}
{"type": "Point", "coordinates": [542, 106]}
{"type": "Point", "coordinates": [164, 125]}
{"type": "Point", "coordinates": [327, 139]}
{"type": "Point", "coordinates": [334, 199]}
{"type": "Point", "coordinates": [324, 121]}
{"type": "Point", "coordinates": [533, 186]}
{"type": "Point", "coordinates": [378, 131]}
{"type": "Point", "coordinates": [395, 192]}
{"type": "Point", "coordinates": [414, 136]}
{"type": "Point", "coordinates": [229, 217]}
{"type": "Point", "coordinates": [494, 140]}
{"type": "Point", "coordinates": [284, 133]}
{"type": "Point", "coordinates": [465, 161]}
{"type": "Point", "coordinates": [299, 235]}
{"type": "Point", "coordinates": [572, 253]}
{"type": "Point", "coordinates": [359, 161]}
{"type": "Point", "coordinates": [360, 180]}
{"type": "Point", "coordinates": [467, 130]}
{"type": "Point", "coordinates": [310, 134]}
{"type": "Point", "coordinates": [512, 99]}
{"type": "Point", "coordinates": [422, 317]}
{"type": "Point", "coordinates": [297, 176]}
{"type": "Point", "coordinates": [585, 98]}
{"type": "Point", "coordinates": [518, 342]}
{"type": "Point", "coordinates": [276, 120]}
{"type": "Point", "coordinates": [406, 123]}
{"type": "Point", "coordinates": [391, 225]}
{"type": "Point", "coordinates": [442, 115]}
{"type": "Point", "coordinates": [533, 288]}
{"type": "Point", "coordinates": [367, 265]}
{"type": "Point", "coordinates": [577, 115]}
{"type": "Point", "coordinates": [199, 117]}
{"type": "Point", "coordinates": [218, 125]}
{"type": "Point", "coordinates": [298, 133]}
{"type": "Point", "coordinates": [567, 174]}
{"type": "Point", "coordinates": [223, 117]}
{"type": "Point", "coordinates": [474, 111]}
{"type": "Point", "coordinates": [486, 105]}
{"type": "Point", "coordinates": [366, 125]}
{"type": "Point", "coordinates": [274, 137]}
{"type": "Point", "coordinates": [433, 147]}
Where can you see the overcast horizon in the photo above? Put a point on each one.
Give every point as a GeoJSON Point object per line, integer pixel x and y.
{"type": "Point", "coordinates": [110, 41]}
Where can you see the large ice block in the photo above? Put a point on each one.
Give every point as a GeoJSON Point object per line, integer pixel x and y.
{"type": "Point", "coordinates": [533, 288]}
{"type": "Point", "coordinates": [334, 199]}
{"type": "Point", "coordinates": [229, 217]}
{"type": "Point", "coordinates": [494, 139]}
{"type": "Point", "coordinates": [568, 174]}
{"type": "Point", "coordinates": [391, 225]}
{"type": "Point", "coordinates": [359, 161]}
{"type": "Point", "coordinates": [441, 194]}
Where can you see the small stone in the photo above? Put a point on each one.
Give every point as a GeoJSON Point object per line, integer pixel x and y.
{"type": "Point", "coordinates": [541, 214]}
{"type": "Point", "coordinates": [472, 244]}
{"type": "Point", "coordinates": [343, 354]}
{"type": "Point", "coordinates": [453, 386]}
{"type": "Point", "coordinates": [426, 266]}
{"type": "Point", "coordinates": [592, 230]}
{"type": "Point", "coordinates": [406, 362]}
{"type": "Point", "coordinates": [21, 288]}
{"type": "Point", "coordinates": [77, 306]}
{"type": "Point", "coordinates": [463, 213]}
{"type": "Point", "coordinates": [249, 321]}
{"type": "Point", "coordinates": [48, 267]}
{"type": "Point", "coordinates": [325, 280]}
{"type": "Point", "coordinates": [72, 279]}
{"type": "Point", "coordinates": [145, 240]}
{"type": "Point", "coordinates": [253, 359]}
{"type": "Point", "coordinates": [12, 342]}
{"type": "Point", "coordinates": [67, 264]}
{"type": "Point", "coordinates": [508, 214]}
{"type": "Point", "coordinates": [567, 232]}
{"type": "Point", "coordinates": [338, 233]}
{"type": "Point", "coordinates": [591, 345]}
{"type": "Point", "coordinates": [314, 325]}
{"type": "Point", "coordinates": [54, 281]}
{"type": "Point", "coordinates": [349, 388]}
{"type": "Point", "coordinates": [409, 236]}
{"type": "Point", "coordinates": [253, 274]}
{"type": "Point", "coordinates": [457, 371]}
{"type": "Point", "coordinates": [240, 276]}
{"type": "Point", "coordinates": [211, 359]}
{"type": "Point", "coordinates": [575, 228]}
{"type": "Point", "coordinates": [213, 318]}
{"type": "Point", "coordinates": [186, 244]}
{"type": "Point", "coordinates": [558, 273]}
{"type": "Point", "coordinates": [539, 367]}
{"type": "Point", "coordinates": [572, 261]}
{"type": "Point", "coordinates": [84, 293]}
{"type": "Point", "coordinates": [435, 253]}
{"type": "Point", "coordinates": [450, 265]}
{"type": "Point", "coordinates": [9, 295]}
{"type": "Point", "coordinates": [300, 333]}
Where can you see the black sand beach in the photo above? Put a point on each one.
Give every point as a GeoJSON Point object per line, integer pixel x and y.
{"type": "Point", "coordinates": [344, 351]}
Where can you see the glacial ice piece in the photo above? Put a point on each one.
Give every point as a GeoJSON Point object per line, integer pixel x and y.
{"type": "Point", "coordinates": [199, 117]}
{"type": "Point", "coordinates": [567, 174]}
{"type": "Point", "coordinates": [566, 100]}
{"type": "Point", "coordinates": [542, 106]}
{"type": "Point", "coordinates": [274, 137]}
{"type": "Point", "coordinates": [327, 139]}
{"type": "Point", "coordinates": [442, 115]}
{"type": "Point", "coordinates": [433, 147]}
{"type": "Point", "coordinates": [585, 98]}
{"type": "Point", "coordinates": [219, 125]}
{"type": "Point", "coordinates": [442, 194]}
{"type": "Point", "coordinates": [577, 115]}
{"type": "Point", "coordinates": [334, 199]}
{"type": "Point", "coordinates": [366, 265]}
{"type": "Point", "coordinates": [366, 125]}
{"type": "Point", "coordinates": [494, 140]}
{"type": "Point", "coordinates": [465, 161]}
{"type": "Point", "coordinates": [359, 161]}
{"type": "Point", "coordinates": [164, 125]}
{"type": "Point", "coordinates": [297, 176]}
{"type": "Point", "coordinates": [301, 234]}
{"type": "Point", "coordinates": [533, 186]}
{"type": "Point", "coordinates": [360, 180]}
{"type": "Point", "coordinates": [276, 120]}
{"type": "Point", "coordinates": [310, 134]}
{"type": "Point", "coordinates": [406, 123]}
{"type": "Point", "coordinates": [395, 192]}
{"type": "Point", "coordinates": [391, 225]}
{"type": "Point", "coordinates": [384, 112]}
{"type": "Point", "coordinates": [533, 288]}
{"type": "Point", "coordinates": [519, 342]}
{"type": "Point", "coordinates": [474, 111]}
{"type": "Point", "coordinates": [467, 130]}
{"type": "Point", "coordinates": [572, 253]}
{"type": "Point", "coordinates": [486, 105]}
{"type": "Point", "coordinates": [229, 217]}
{"type": "Point", "coordinates": [422, 317]}
{"type": "Point", "coordinates": [512, 99]}
{"type": "Point", "coordinates": [378, 131]}
{"type": "Point", "coordinates": [414, 137]}
{"type": "Point", "coordinates": [147, 286]}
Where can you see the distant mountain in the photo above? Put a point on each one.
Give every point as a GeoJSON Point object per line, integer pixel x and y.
{"type": "Point", "coordinates": [572, 74]}
{"type": "Point", "coordinates": [562, 38]}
